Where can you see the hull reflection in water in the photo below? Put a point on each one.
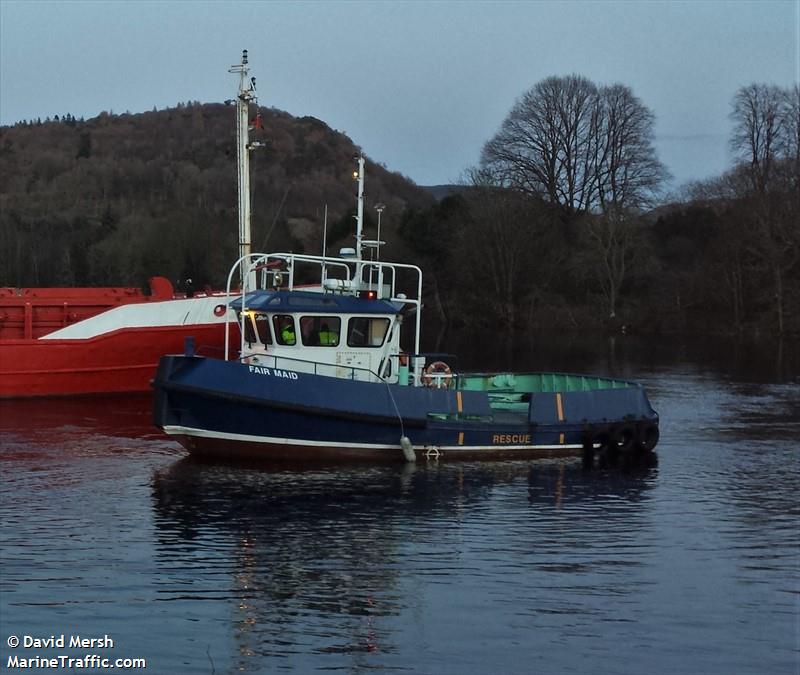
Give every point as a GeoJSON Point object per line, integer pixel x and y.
{"type": "Point", "coordinates": [51, 433]}
{"type": "Point", "coordinates": [321, 559]}
{"type": "Point", "coordinates": [472, 568]}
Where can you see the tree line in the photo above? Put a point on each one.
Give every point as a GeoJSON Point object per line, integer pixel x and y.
{"type": "Point", "coordinates": [561, 226]}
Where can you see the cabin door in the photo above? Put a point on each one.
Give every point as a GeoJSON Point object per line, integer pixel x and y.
{"type": "Point", "coordinates": [349, 362]}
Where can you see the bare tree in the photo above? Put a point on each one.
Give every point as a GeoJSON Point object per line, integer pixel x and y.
{"type": "Point", "coordinates": [610, 247]}
{"type": "Point", "coordinates": [508, 239]}
{"type": "Point", "coordinates": [628, 175]}
{"type": "Point", "coordinates": [577, 145]}
{"type": "Point", "coordinates": [764, 139]}
{"type": "Point", "coordinates": [729, 266]}
{"type": "Point", "coordinates": [790, 141]}
{"type": "Point", "coordinates": [628, 172]}
{"type": "Point", "coordinates": [543, 146]}
{"type": "Point", "coordinates": [758, 117]}
{"type": "Point", "coordinates": [790, 124]}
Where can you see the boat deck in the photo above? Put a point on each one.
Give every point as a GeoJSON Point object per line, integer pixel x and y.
{"type": "Point", "coordinates": [512, 385]}
{"type": "Point", "coordinates": [510, 416]}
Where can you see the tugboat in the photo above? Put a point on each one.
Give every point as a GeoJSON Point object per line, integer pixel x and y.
{"type": "Point", "coordinates": [322, 374]}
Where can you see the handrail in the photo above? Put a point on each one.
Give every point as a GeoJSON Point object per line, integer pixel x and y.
{"type": "Point", "coordinates": [252, 260]}
{"type": "Point", "coordinates": [275, 357]}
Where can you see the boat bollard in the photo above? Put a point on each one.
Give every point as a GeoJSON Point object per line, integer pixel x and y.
{"type": "Point", "coordinates": [402, 371]}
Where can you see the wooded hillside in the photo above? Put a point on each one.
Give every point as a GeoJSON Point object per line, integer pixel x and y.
{"type": "Point", "coordinates": [118, 198]}
{"type": "Point", "coordinates": [560, 228]}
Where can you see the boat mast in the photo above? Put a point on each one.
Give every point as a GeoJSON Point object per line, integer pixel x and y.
{"type": "Point", "coordinates": [246, 94]}
{"type": "Point", "coordinates": [360, 216]}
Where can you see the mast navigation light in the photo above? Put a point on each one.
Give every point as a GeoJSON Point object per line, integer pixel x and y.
{"type": "Point", "coordinates": [244, 56]}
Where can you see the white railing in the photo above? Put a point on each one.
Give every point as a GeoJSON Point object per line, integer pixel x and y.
{"type": "Point", "coordinates": [313, 367]}
{"type": "Point", "coordinates": [286, 263]}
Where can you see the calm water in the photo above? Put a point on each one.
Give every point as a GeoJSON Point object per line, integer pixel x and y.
{"type": "Point", "coordinates": [516, 567]}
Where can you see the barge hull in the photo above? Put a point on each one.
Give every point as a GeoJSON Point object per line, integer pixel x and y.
{"type": "Point", "coordinates": [123, 361]}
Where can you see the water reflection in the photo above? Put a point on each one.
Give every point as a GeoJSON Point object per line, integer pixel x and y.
{"type": "Point", "coordinates": [56, 419]}
{"type": "Point", "coordinates": [470, 568]}
{"type": "Point", "coordinates": [765, 360]}
{"type": "Point", "coordinates": [320, 560]}
{"type": "Point", "coordinates": [51, 446]}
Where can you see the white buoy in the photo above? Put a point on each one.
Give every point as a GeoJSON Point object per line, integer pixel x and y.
{"type": "Point", "coordinates": [408, 449]}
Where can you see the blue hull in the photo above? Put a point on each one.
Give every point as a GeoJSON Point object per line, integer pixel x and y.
{"type": "Point", "coordinates": [229, 409]}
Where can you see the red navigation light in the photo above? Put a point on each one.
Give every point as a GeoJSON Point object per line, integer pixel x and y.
{"type": "Point", "coordinates": [368, 295]}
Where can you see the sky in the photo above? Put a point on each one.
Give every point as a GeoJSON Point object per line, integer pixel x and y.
{"type": "Point", "coordinates": [419, 86]}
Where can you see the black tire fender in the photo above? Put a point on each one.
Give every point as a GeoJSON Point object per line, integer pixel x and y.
{"type": "Point", "coordinates": [624, 437]}
{"type": "Point", "coordinates": [648, 436]}
{"type": "Point", "coordinates": [601, 438]}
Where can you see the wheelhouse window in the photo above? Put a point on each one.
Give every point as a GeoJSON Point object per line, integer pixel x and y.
{"type": "Point", "coordinates": [284, 329]}
{"type": "Point", "coordinates": [256, 328]}
{"type": "Point", "coordinates": [249, 330]}
{"type": "Point", "coordinates": [262, 328]}
{"type": "Point", "coordinates": [365, 331]}
{"type": "Point", "coordinates": [320, 331]}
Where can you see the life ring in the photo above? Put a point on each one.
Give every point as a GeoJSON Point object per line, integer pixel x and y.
{"type": "Point", "coordinates": [438, 374]}
{"type": "Point", "coordinates": [220, 310]}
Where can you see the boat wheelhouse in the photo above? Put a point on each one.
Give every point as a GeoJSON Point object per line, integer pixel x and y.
{"type": "Point", "coordinates": [325, 331]}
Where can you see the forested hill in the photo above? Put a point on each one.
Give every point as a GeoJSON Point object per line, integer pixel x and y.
{"type": "Point", "coordinates": [564, 242]}
{"type": "Point", "coordinates": [118, 198]}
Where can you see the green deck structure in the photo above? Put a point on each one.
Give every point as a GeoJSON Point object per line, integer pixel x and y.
{"type": "Point", "coordinates": [506, 390]}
